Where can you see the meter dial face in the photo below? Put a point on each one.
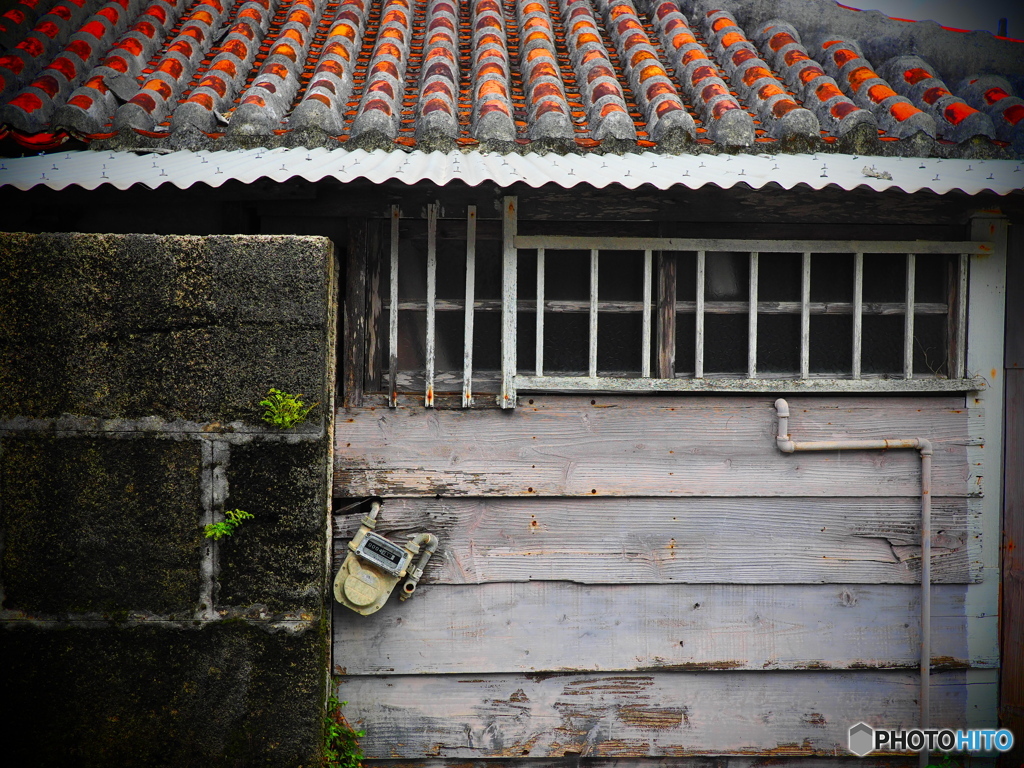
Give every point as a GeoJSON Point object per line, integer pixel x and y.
{"type": "Point", "coordinates": [384, 554]}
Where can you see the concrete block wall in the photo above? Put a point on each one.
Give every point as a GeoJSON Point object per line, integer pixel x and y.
{"type": "Point", "coordinates": [131, 368]}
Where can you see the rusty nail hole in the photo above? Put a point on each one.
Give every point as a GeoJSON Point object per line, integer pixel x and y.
{"type": "Point", "coordinates": [696, 606]}
{"type": "Point", "coordinates": [531, 402]}
{"type": "Point", "coordinates": [529, 490]}
{"type": "Point", "coordinates": [593, 490]}
{"type": "Point", "coordinates": [533, 523]}
{"type": "Point", "coordinates": [593, 402]}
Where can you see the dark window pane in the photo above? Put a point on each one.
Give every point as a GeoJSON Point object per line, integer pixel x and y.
{"type": "Point", "coordinates": [686, 275]}
{"type": "Point", "coordinates": [526, 347]}
{"type": "Point", "coordinates": [620, 275]}
{"type": "Point", "coordinates": [567, 275]}
{"type": "Point", "coordinates": [726, 276]}
{"type": "Point", "coordinates": [566, 343]}
{"type": "Point", "coordinates": [412, 260]}
{"type": "Point", "coordinates": [488, 269]}
{"type": "Point", "coordinates": [451, 269]}
{"type": "Point", "coordinates": [885, 277]}
{"type": "Point", "coordinates": [725, 344]}
{"type": "Point", "coordinates": [778, 277]}
{"type": "Point", "coordinates": [831, 278]}
{"type": "Point", "coordinates": [526, 275]}
{"type": "Point", "coordinates": [930, 280]}
{"type": "Point", "coordinates": [449, 334]}
{"type": "Point", "coordinates": [930, 350]}
{"type": "Point", "coordinates": [686, 345]}
{"type": "Point", "coordinates": [882, 346]}
{"type": "Point", "coordinates": [778, 343]}
{"type": "Point", "coordinates": [487, 341]}
{"type": "Point", "coordinates": [831, 344]}
{"type": "Point", "coordinates": [412, 334]}
{"type": "Point", "coordinates": [618, 342]}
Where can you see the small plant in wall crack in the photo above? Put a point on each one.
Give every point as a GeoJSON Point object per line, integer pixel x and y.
{"type": "Point", "coordinates": [284, 409]}
{"type": "Point", "coordinates": [235, 517]}
{"type": "Point", "coordinates": [341, 740]}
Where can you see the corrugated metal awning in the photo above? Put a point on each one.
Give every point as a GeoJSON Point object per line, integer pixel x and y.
{"type": "Point", "coordinates": [92, 169]}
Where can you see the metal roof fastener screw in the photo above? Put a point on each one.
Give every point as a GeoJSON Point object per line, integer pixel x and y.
{"type": "Point", "coordinates": [775, 167]}
{"type": "Point", "coordinates": [969, 168]}
{"type": "Point", "coordinates": [163, 171]}
{"type": "Point", "coordinates": [104, 175]}
{"type": "Point", "coordinates": [55, 168]}
{"type": "Point", "coordinates": [921, 166]}
{"type": "Point", "coordinates": [936, 177]}
{"type": "Point", "coordinates": [701, 164]}
{"type": "Point", "coordinates": [686, 172]}
{"type": "Point", "coordinates": [743, 172]}
{"type": "Point", "coordinates": [990, 176]}
{"type": "Point", "coordinates": [219, 170]}
{"type": "Point", "coordinates": [43, 176]}
{"type": "Point", "coordinates": [1017, 169]}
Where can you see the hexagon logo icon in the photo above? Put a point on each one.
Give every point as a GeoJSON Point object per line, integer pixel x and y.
{"type": "Point", "coordinates": [861, 739]}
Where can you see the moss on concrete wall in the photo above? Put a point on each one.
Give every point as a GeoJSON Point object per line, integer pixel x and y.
{"type": "Point", "coordinates": [130, 373]}
{"type": "Point", "coordinates": [179, 327]}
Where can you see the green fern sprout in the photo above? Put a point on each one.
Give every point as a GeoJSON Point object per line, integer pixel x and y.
{"type": "Point", "coordinates": [235, 517]}
{"type": "Point", "coordinates": [284, 409]}
{"type": "Point", "coordinates": [341, 740]}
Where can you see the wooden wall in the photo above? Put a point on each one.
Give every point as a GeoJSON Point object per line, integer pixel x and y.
{"type": "Point", "coordinates": [645, 577]}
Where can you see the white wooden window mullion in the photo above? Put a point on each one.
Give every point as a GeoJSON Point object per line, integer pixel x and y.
{"type": "Point", "coordinates": [858, 312]}
{"type": "Point", "coordinates": [592, 355]}
{"type": "Point", "coordinates": [805, 316]}
{"type": "Point", "coordinates": [698, 355]}
{"type": "Point", "coordinates": [539, 355]}
{"type": "Point", "coordinates": [467, 348]}
{"type": "Point", "coordinates": [752, 320]}
{"type": "Point", "coordinates": [431, 346]}
{"type": "Point", "coordinates": [908, 320]}
{"type": "Point", "coordinates": [393, 312]}
{"type": "Point", "coordinates": [645, 333]}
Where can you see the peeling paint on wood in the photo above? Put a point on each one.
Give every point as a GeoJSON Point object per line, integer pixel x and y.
{"type": "Point", "coordinates": [657, 446]}
{"type": "Point", "coordinates": [540, 626]}
{"type": "Point", "coordinates": [657, 541]}
{"type": "Point", "coordinates": [670, 714]}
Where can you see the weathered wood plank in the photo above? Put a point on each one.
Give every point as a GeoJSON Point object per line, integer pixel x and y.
{"type": "Point", "coordinates": [545, 626]}
{"type": "Point", "coordinates": [796, 714]}
{"type": "Point", "coordinates": [657, 446]}
{"type": "Point", "coordinates": [683, 540]}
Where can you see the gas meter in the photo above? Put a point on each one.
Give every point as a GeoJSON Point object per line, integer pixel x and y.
{"type": "Point", "coordinates": [374, 566]}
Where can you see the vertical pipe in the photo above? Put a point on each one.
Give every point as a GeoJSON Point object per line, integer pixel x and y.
{"type": "Point", "coordinates": [431, 346]}
{"type": "Point", "coordinates": [539, 355]}
{"type": "Point", "coordinates": [858, 311]}
{"type": "Point", "coordinates": [592, 356]}
{"type": "Point", "coordinates": [805, 317]}
{"type": "Point", "coordinates": [467, 348]}
{"type": "Point", "coordinates": [393, 313]}
{"type": "Point", "coordinates": [698, 356]}
{"type": "Point", "coordinates": [645, 334]}
{"type": "Point", "coordinates": [926, 590]}
{"type": "Point", "coordinates": [509, 293]}
{"type": "Point", "coordinates": [908, 320]}
{"type": "Point", "coordinates": [752, 320]}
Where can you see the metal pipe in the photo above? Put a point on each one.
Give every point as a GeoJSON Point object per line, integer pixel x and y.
{"type": "Point", "coordinates": [786, 444]}
{"type": "Point", "coordinates": [429, 541]}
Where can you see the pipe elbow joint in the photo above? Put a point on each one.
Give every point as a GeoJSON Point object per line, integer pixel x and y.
{"type": "Point", "coordinates": [785, 444]}
{"type": "Point", "coordinates": [782, 407]}
{"type": "Point", "coordinates": [925, 446]}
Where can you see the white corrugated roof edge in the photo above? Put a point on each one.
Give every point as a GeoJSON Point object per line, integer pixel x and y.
{"type": "Point", "coordinates": [93, 169]}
